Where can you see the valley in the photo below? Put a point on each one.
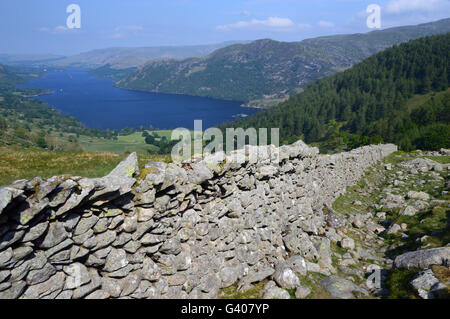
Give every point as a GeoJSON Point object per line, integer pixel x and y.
{"type": "Point", "coordinates": [352, 204]}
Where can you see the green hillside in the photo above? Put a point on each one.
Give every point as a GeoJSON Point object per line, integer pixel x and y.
{"type": "Point", "coordinates": [400, 95]}
{"type": "Point", "coordinates": [267, 69]}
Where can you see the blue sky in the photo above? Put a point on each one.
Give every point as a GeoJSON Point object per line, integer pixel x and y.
{"type": "Point", "coordinates": [39, 26]}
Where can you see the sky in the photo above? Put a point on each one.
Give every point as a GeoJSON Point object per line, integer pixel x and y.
{"type": "Point", "coordinates": [40, 26]}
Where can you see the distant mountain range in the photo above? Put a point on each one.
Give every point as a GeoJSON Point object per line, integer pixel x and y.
{"type": "Point", "coordinates": [266, 69]}
{"type": "Point", "coordinates": [123, 58]}
{"type": "Point", "coordinates": [28, 59]}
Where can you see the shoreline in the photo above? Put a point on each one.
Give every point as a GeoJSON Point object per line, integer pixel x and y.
{"type": "Point", "coordinates": [39, 94]}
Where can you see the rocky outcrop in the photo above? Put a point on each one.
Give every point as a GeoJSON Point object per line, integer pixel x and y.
{"type": "Point", "coordinates": [176, 230]}
{"type": "Point", "coordinates": [422, 259]}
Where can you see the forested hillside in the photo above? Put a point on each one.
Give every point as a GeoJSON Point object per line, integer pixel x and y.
{"type": "Point", "coordinates": [267, 69]}
{"type": "Point", "coordinates": [399, 95]}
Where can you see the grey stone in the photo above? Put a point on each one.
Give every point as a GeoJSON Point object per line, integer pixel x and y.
{"type": "Point", "coordinates": [7, 194]}
{"type": "Point", "coordinates": [298, 242]}
{"type": "Point", "coordinates": [286, 278]}
{"type": "Point", "coordinates": [161, 203]}
{"type": "Point", "coordinates": [394, 229]}
{"type": "Point", "coordinates": [267, 171]}
{"type": "Point", "coordinates": [341, 288]}
{"type": "Point", "coordinates": [297, 264]}
{"type": "Point", "coordinates": [122, 239]}
{"type": "Point", "coordinates": [85, 290]}
{"type": "Point", "coordinates": [120, 181]}
{"type": "Point", "coordinates": [199, 174]}
{"type": "Point", "coordinates": [105, 239]}
{"type": "Point", "coordinates": [65, 295]}
{"type": "Point", "coordinates": [10, 238]}
{"type": "Point", "coordinates": [111, 286]}
{"type": "Point", "coordinates": [4, 274]}
{"type": "Point", "coordinates": [85, 186]}
{"type": "Point", "coordinates": [63, 245]}
{"type": "Point", "coordinates": [85, 224]}
{"type": "Point", "coordinates": [145, 214]}
{"type": "Point", "coordinates": [116, 259]}
{"type": "Point", "coordinates": [348, 243]}
{"type": "Point", "coordinates": [228, 276]}
{"type": "Point", "coordinates": [130, 283]}
{"type": "Point", "coordinates": [423, 258]}
{"type": "Point", "coordinates": [423, 283]}
{"type": "Point", "coordinates": [259, 276]}
{"type": "Point", "coordinates": [276, 293]}
{"type": "Point", "coordinates": [70, 221]}
{"type": "Point", "coordinates": [150, 270]}
{"type": "Point", "coordinates": [112, 212]}
{"type": "Point", "coordinates": [4, 286]}
{"type": "Point", "coordinates": [334, 219]}
{"type": "Point", "coordinates": [35, 232]}
{"type": "Point", "coordinates": [142, 228]}
{"type": "Point", "coordinates": [102, 253]}
{"type": "Point", "coordinates": [324, 251]}
{"type": "Point", "coordinates": [408, 211]}
{"type": "Point", "coordinates": [29, 209]}
{"type": "Point", "coordinates": [116, 221]}
{"type": "Point", "coordinates": [98, 294]}
{"type": "Point", "coordinates": [90, 243]}
{"type": "Point", "coordinates": [77, 252]}
{"type": "Point", "coordinates": [53, 284]}
{"type": "Point", "coordinates": [302, 292]}
{"type": "Point", "coordinates": [81, 239]}
{"type": "Point", "coordinates": [176, 280]}
{"type": "Point", "coordinates": [171, 246]}
{"type": "Point", "coordinates": [101, 226]}
{"type": "Point", "coordinates": [37, 276]}
{"type": "Point", "coordinates": [6, 256]}
{"type": "Point", "coordinates": [132, 246]}
{"type": "Point", "coordinates": [122, 272]}
{"type": "Point", "coordinates": [77, 276]}
{"type": "Point", "coordinates": [60, 258]}
{"type": "Point", "coordinates": [130, 223]}
{"type": "Point", "coordinates": [15, 291]}
{"type": "Point", "coordinates": [418, 195]}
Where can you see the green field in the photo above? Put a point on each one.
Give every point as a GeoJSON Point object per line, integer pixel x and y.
{"type": "Point", "coordinates": [130, 143]}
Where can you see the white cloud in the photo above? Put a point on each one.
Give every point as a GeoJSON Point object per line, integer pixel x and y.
{"type": "Point", "coordinates": [271, 23]}
{"type": "Point", "coordinates": [325, 24]}
{"type": "Point", "coordinates": [401, 6]}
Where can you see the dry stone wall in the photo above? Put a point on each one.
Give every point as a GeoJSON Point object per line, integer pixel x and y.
{"type": "Point", "coordinates": [176, 230]}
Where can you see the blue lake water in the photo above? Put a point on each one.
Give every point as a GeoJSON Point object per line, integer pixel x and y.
{"type": "Point", "coordinates": [97, 104]}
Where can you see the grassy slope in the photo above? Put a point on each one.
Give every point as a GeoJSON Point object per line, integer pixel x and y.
{"type": "Point", "coordinates": [16, 163]}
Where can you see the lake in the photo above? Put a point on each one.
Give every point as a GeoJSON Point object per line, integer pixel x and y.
{"type": "Point", "coordinates": [97, 104]}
